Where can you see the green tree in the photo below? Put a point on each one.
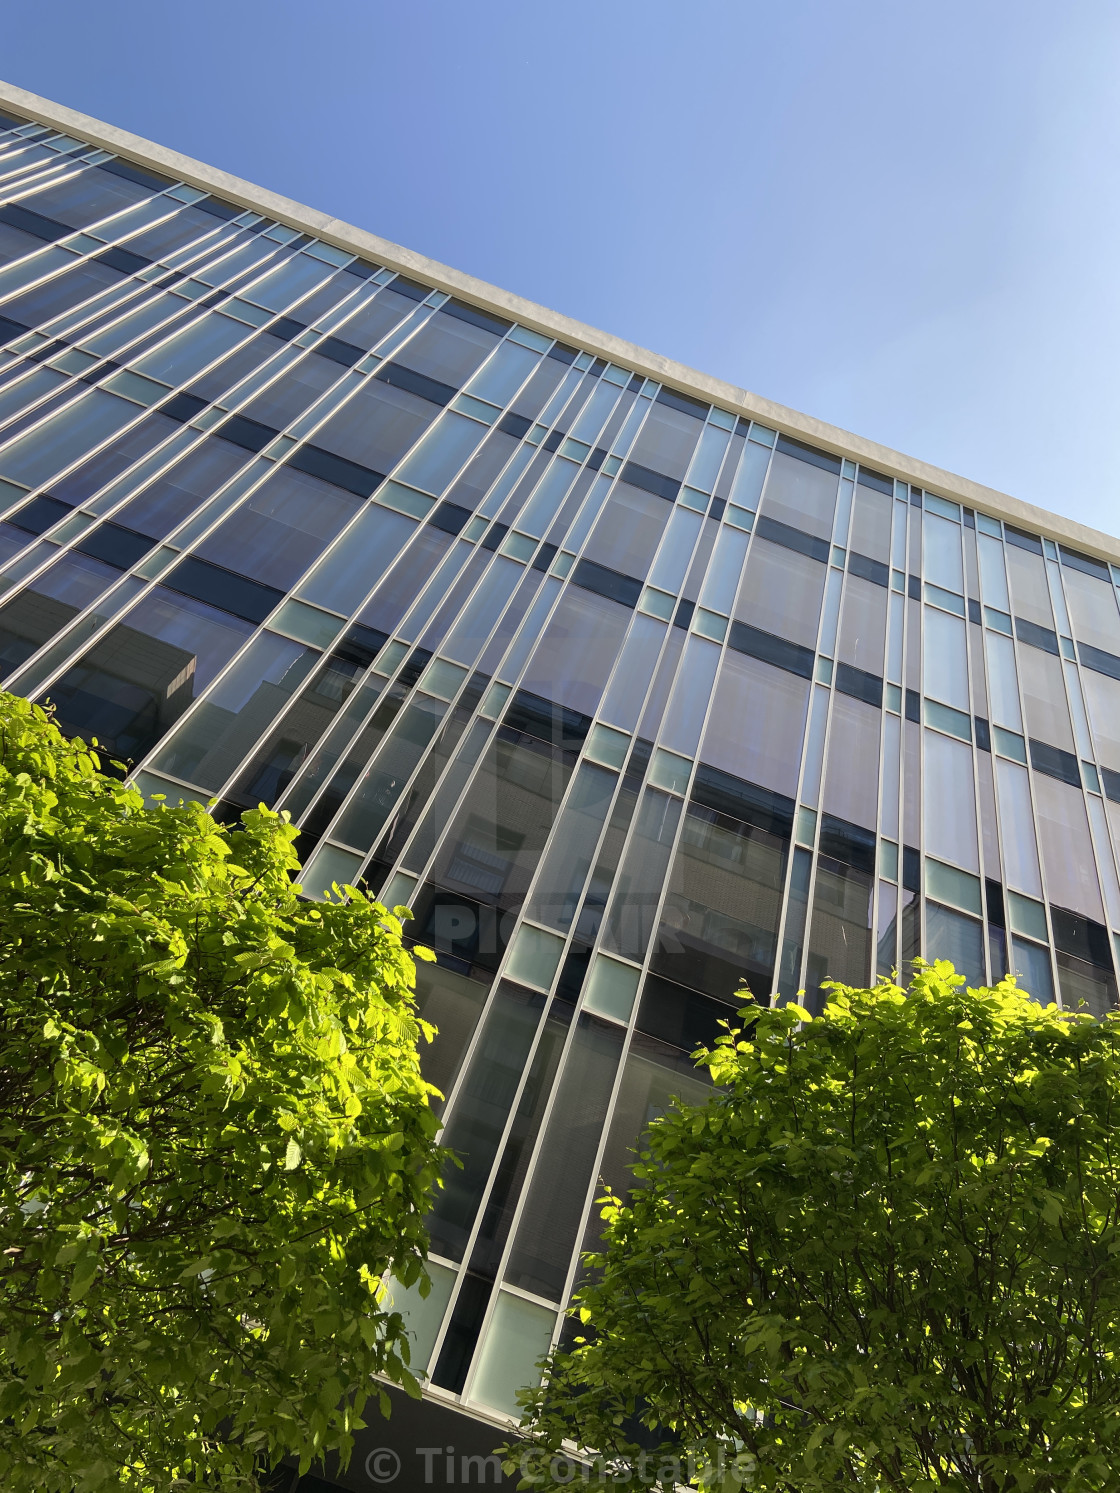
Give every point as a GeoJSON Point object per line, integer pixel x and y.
{"type": "Point", "coordinates": [214, 1138]}
{"type": "Point", "coordinates": [883, 1255]}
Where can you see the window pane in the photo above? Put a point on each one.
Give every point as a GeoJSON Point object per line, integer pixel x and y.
{"type": "Point", "coordinates": [1003, 687]}
{"type": "Point", "coordinates": [629, 529]}
{"type": "Point", "coordinates": [781, 592]}
{"type": "Point", "coordinates": [800, 494]}
{"type": "Point", "coordinates": [852, 772]}
{"type": "Point", "coordinates": [137, 681]}
{"type": "Point", "coordinates": [1044, 698]}
{"type": "Point", "coordinates": [950, 935]}
{"type": "Point", "coordinates": [1067, 851]}
{"type": "Point", "coordinates": [756, 724]}
{"type": "Point", "coordinates": [573, 659]}
{"type": "Point", "coordinates": [1016, 818]}
{"type": "Point", "coordinates": [863, 625]}
{"type": "Point", "coordinates": [564, 872]}
{"type": "Point", "coordinates": [942, 546]}
{"type": "Point", "coordinates": [285, 525]}
{"type": "Point", "coordinates": [945, 673]}
{"type": "Point", "coordinates": [949, 800]}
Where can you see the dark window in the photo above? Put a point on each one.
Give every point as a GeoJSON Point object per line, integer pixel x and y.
{"type": "Point", "coordinates": [682, 617]}
{"type": "Point", "coordinates": [1022, 540]}
{"type": "Point", "coordinates": [122, 259]}
{"type": "Point", "coordinates": [1036, 636]}
{"type": "Point", "coordinates": [650, 481]}
{"type": "Point", "coordinates": [726, 794]}
{"type": "Point", "coordinates": [850, 844]}
{"type": "Point", "coordinates": [1055, 763]}
{"type": "Point", "coordinates": [91, 195]}
{"type": "Point", "coordinates": [450, 517]}
{"type": "Point", "coordinates": [515, 425]}
{"type": "Point", "coordinates": [1082, 937]}
{"type": "Point", "coordinates": [250, 434]}
{"type": "Point", "coordinates": [216, 208]}
{"type": "Point", "coordinates": [684, 403]}
{"type": "Point", "coordinates": [36, 224]}
{"type": "Point", "coordinates": [822, 459]}
{"type": "Point", "coordinates": [218, 587]}
{"type": "Point", "coordinates": [877, 481]}
{"type": "Point", "coordinates": [1086, 563]}
{"type": "Point", "coordinates": [860, 684]}
{"type": "Point", "coordinates": [183, 407]}
{"type": "Point", "coordinates": [411, 288]}
{"type": "Point", "coordinates": [39, 515]}
{"type": "Point", "coordinates": [562, 353]}
{"type": "Point", "coordinates": [869, 570]}
{"type": "Point", "coordinates": [1098, 660]}
{"type": "Point", "coordinates": [339, 352]}
{"type": "Point", "coordinates": [118, 547]}
{"type": "Point", "coordinates": [983, 733]}
{"type": "Point", "coordinates": [345, 474]}
{"type": "Point", "coordinates": [141, 177]}
{"type": "Point", "coordinates": [913, 705]}
{"type": "Point", "coordinates": [792, 539]}
{"type": "Point", "coordinates": [771, 650]}
{"type": "Point", "coordinates": [476, 318]}
{"type": "Point", "coordinates": [609, 583]}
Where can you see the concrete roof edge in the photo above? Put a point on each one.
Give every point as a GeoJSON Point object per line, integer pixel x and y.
{"type": "Point", "coordinates": [652, 365]}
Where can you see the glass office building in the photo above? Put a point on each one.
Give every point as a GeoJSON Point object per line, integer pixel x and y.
{"type": "Point", "coordinates": [633, 687]}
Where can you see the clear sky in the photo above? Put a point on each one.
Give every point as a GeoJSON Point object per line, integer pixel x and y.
{"type": "Point", "coordinates": [901, 216]}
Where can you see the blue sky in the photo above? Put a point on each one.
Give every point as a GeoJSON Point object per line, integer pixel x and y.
{"type": "Point", "coordinates": [901, 216]}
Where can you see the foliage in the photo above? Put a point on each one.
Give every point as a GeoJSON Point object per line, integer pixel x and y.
{"type": "Point", "coordinates": [883, 1255]}
{"type": "Point", "coordinates": [214, 1137]}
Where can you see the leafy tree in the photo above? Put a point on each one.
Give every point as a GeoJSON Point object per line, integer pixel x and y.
{"type": "Point", "coordinates": [214, 1137]}
{"type": "Point", "coordinates": [883, 1255]}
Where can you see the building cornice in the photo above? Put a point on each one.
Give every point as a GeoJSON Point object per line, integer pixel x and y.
{"type": "Point", "coordinates": [551, 323]}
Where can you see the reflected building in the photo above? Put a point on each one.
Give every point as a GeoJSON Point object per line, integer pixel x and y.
{"type": "Point", "coordinates": [633, 686]}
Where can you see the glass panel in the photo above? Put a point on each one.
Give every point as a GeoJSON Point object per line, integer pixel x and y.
{"type": "Point", "coordinates": [800, 494]}
{"type": "Point", "coordinates": [138, 680]}
{"type": "Point", "coordinates": [756, 723]}
{"type": "Point", "coordinates": [573, 659]}
{"type": "Point", "coordinates": [1020, 853]}
{"type": "Point", "coordinates": [633, 908]}
{"type": "Point", "coordinates": [840, 937]}
{"type": "Point", "coordinates": [1044, 698]}
{"type": "Point", "coordinates": [852, 772]}
{"type": "Point", "coordinates": [383, 781]}
{"type": "Point", "coordinates": [519, 1334]}
{"type": "Point", "coordinates": [992, 576]}
{"type": "Point", "coordinates": [684, 719]}
{"type": "Point", "coordinates": [1102, 695]}
{"type": "Point", "coordinates": [611, 988]}
{"type": "Point", "coordinates": [327, 867]}
{"type": "Point", "coordinates": [951, 935]}
{"type": "Point", "coordinates": [1092, 603]}
{"type": "Point", "coordinates": [563, 873]}
{"type": "Point", "coordinates": [945, 660]}
{"type": "Point", "coordinates": [65, 437]}
{"type": "Point", "coordinates": [720, 920]}
{"type": "Point", "coordinates": [887, 948]}
{"type": "Point", "coordinates": [1029, 595]}
{"type": "Point", "coordinates": [550, 1223]}
{"type": "Point", "coordinates": [942, 553]}
{"type": "Point", "coordinates": [863, 625]}
{"type": "Point", "coordinates": [211, 744]}
{"type": "Point", "coordinates": [633, 673]}
{"type": "Point", "coordinates": [781, 593]}
{"type": "Point", "coordinates": [892, 758]}
{"type": "Point", "coordinates": [534, 956]}
{"type": "Point", "coordinates": [475, 1128]}
{"type": "Point", "coordinates": [1003, 688]}
{"type": "Point", "coordinates": [1067, 851]}
{"type": "Point", "coordinates": [1031, 964]}
{"type": "Point", "coordinates": [423, 1315]}
{"type": "Point", "coordinates": [950, 802]}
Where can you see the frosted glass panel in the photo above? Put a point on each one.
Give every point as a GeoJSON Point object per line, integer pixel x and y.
{"type": "Point", "coordinates": [422, 1315]}
{"type": "Point", "coordinates": [950, 802]}
{"type": "Point", "coordinates": [1020, 852]}
{"type": "Point", "coordinates": [942, 545]}
{"type": "Point", "coordinates": [945, 657]}
{"type": "Point", "coordinates": [1003, 686]}
{"type": "Point", "coordinates": [519, 1334]}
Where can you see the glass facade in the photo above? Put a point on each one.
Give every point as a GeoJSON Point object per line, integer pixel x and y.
{"type": "Point", "coordinates": [630, 699]}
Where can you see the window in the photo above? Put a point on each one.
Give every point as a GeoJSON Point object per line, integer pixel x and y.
{"type": "Point", "coordinates": [47, 301]}
{"type": "Point", "coordinates": [863, 625]}
{"type": "Point", "coordinates": [666, 441]}
{"type": "Point", "coordinates": [181, 359]}
{"type": "Point", "coordinates": [448, 349]}
{"type": "Point", "coordinates": [132, 686]}
{"type": "Point", "coordinates": [781, 593]}
{"type": "Point", "coordinates": [949, 801]}
{"type": "Point", "coordinates": [377, 426]}
{"type": "Point", "coordinates": [800, 494]}
{"type": "Point", "coordinates": [572, 661]}
{"type": "Point", "coordinates": [276, 534]}
{"type": "Point", "coordinates": [629, 528]}
{"type": "Point", "coordinates": [851, 790]}
{"type": "Point", "coordinates": [88, 197]}
{"type": "Point", "coordinates": [756, 723]}
{"type": "Point", "coordinates": [65, 436]}
{"type": "Point", "coordinates": [172, 498]}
